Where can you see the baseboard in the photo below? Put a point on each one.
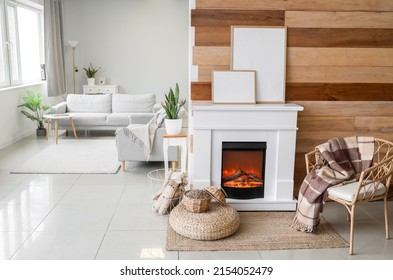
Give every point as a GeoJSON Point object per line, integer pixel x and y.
{"type": "Point", "coordinates": [17, 138]}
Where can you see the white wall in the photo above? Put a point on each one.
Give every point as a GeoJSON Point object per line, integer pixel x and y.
{"type": "Point", "coordinates": [141, 45]}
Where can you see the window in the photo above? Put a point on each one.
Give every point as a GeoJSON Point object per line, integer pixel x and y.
{"type": "Point", "coordinates": [21, 42]}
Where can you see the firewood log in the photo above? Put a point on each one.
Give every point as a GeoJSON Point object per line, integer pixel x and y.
{"type": "Point", "coordinates": [168, 176]}
{"type": "Point", "coordinates": [157, 203]}
{"type": "Point", "coordinates": [167, 197]}
{"type": "Point", "coordinates": [173, 189]}
{"type": "Point", "coordinates": [253, 177]}
{"type": "Point", "coordinates": [238, 174]}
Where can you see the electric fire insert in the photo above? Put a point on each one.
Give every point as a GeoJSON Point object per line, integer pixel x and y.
{"type": "Point", "coordinates": [243, 169]}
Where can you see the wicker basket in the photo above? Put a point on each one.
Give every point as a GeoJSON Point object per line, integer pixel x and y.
{"type": "Point", "coordinates": [217, 194]}
{"type": "Point", "coordinates": [196, 201]}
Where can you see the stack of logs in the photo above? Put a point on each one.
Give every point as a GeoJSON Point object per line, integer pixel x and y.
{"type": "Point", "coordinates": [242, 179]}
{"type": "Point", "coordinates": [170, 194]}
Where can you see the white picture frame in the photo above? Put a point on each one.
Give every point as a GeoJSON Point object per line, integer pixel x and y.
{"type": "Point", "coordinates": [233, 87]}
{"type": "Point", "coordinates": [262, 49]}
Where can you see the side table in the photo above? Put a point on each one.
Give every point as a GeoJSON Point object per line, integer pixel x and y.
{"type": "Point", "coordinates": [56, 118]}
{"type": "Point", "coordinates": [178, 140]}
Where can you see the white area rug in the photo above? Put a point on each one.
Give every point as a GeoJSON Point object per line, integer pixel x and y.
{"type": "Point", "coordinates": [74, 156]}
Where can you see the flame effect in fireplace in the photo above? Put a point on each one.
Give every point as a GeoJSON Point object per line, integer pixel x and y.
{"type": "Point", "coordinates": [242, 169]}
{"type": "Point", "coordinates": [241, 179]}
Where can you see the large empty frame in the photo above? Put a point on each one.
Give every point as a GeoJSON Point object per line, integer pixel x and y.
{"type": "Point", "coordinates": [262, 49]}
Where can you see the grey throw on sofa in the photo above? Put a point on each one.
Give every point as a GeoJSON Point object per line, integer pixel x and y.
{"type": "Point", "coordinates": [131, 149]}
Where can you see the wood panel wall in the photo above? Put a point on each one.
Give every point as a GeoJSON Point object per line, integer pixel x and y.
{"type": "Point", "coordinates": [339, 62]}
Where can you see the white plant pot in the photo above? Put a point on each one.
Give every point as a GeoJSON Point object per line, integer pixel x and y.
{"type": "Point", "coordinates": [91, 81]}
{"type": "Point", "coordinates": [173, 127]}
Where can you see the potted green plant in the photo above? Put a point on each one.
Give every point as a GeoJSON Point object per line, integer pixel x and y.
{"type": "Point", "coordinates": [91, 73]}
{"type": "Point", "coordinates": [32, 101]}
{"type": "Point", "coordinates": [172, 106]}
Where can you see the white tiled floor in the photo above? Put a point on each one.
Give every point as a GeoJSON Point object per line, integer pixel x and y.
{"type": "Point", "coordinates": [110, 217]}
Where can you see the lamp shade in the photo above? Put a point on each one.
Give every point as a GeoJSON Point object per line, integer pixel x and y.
{"type": "Point", "coordinates": [73, 44]}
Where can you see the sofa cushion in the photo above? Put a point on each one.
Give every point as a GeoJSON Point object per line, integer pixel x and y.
{"type": "Point", "coordinates": [139, 103]}
{"type": "Point", "coordinates": [90, 119]}
{"type": "Point", "coordinates": [124, 119]}
{"type": "Point", "coordinates": [119, 119]}
{"type": "Point", "coordinates": [79, 103]}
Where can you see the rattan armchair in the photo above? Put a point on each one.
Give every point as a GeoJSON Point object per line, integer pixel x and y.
{"type": "Point", "coordinates": [373, 183]}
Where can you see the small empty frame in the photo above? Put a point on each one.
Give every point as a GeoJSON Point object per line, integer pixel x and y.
{"type": "Point", "coordinates": [233, 86]}
{"type": "Point", "coordinates": [262, 49]}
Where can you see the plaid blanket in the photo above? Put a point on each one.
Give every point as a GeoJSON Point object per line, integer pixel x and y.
{"type": "Point", "coordinates": [346, 158]}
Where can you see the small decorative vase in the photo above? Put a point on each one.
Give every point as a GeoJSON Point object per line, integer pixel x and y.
{"type": "Point", "coordinates": [173, 127]}
{"type": "Point", "coordinates": [91, 81]}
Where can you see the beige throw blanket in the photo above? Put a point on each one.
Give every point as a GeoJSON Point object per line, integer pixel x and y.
{"type": "Point", "coordinates": [146, 132]}
{"type": "Point", "coordinates": [346, 158]}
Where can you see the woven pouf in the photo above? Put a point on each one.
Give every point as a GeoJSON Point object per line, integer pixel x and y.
{"type": "Point", "coordinates": [216, 223]}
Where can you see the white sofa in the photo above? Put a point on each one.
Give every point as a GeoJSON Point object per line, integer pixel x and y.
{"type": "Point", "coordinates": [106, 112]}
{"type": "Point", "coordinates": [113, 112]}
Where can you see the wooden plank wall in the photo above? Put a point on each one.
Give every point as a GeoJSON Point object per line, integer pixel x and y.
{"type": "Point", "coordinates": [339, 62]}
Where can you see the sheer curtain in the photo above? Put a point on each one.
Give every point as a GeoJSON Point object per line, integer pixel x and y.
{"type": "Point", "coordinates": [54, 54]}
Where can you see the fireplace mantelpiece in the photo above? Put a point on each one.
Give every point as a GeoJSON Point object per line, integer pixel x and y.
{"type": "Point", "coordinates": [275, 124]}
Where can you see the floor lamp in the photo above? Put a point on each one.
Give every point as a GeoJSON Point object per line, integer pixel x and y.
{"type": "Point", "coordinates": [73, 45]}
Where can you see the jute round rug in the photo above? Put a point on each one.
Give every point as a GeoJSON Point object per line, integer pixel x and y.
{"type": "Point", "coordinates": [261, 231]}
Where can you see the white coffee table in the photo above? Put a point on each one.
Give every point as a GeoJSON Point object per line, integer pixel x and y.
{"type": "Point", "coordinates": [56, 118]}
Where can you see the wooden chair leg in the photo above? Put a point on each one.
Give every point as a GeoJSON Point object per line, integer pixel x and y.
{"type": "Point", "coordinates": [348, 216]}
{"type": "Point", "coordinates": [385, 206]}
{"type": "Point", "coordinates": [123, 166]}
{"type": "Point", "coordinates": [351, 237]}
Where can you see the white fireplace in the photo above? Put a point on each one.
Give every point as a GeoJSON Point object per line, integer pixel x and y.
{"type": "Point", "coordinates": [211, 125]}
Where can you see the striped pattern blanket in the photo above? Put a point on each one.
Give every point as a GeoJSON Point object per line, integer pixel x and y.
{"type": "Point", "coordinates": [346, 158]}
